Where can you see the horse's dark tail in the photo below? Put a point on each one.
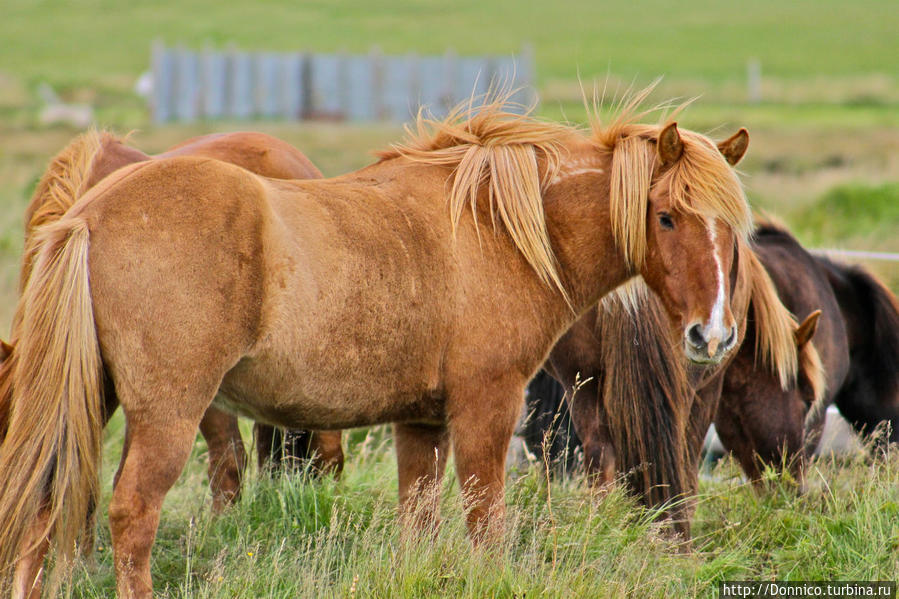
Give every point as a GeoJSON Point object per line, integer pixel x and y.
{"type": "Point", "coordinates": [871, 393]}
{"type": "Point", "coordinates": [646, 396]}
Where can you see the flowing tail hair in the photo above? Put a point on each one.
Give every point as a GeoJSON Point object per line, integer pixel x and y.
{"type": "Point", "coordinates": [50, 458]}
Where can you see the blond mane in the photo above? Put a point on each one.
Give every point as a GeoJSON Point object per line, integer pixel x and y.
{"type": "Point", "coordinates": [775, 346]}
{"type": "Point", "coordinates": [715, 190]}
{"type": "Point", "coordinates": [514, 156]}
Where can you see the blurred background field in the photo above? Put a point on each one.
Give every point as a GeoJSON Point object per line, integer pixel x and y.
{"type": "Point", "coordinates": [824, 158]}
{"type": "Point", "coordinates": [826, 121]}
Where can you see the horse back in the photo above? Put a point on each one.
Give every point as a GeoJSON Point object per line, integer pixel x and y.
{"type": "Point", "coordinates": [257, 152]}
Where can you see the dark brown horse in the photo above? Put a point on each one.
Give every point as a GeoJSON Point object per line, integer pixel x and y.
{"type": "Point", "coordinates": [64, 182]}
{"type": "Point", "coordinates": [367, 298]}
{"type": "Point", "coordinates": [758, 421]}
{"type": "Point", "coordinates": [870, 392]}
{"type": "Point", "coordinates": [857, 339]}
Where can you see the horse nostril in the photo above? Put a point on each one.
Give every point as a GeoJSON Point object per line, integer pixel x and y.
{"type": "Point", "coordinates": [694, 336]}
{"type": "Point", "coordinates": [732, 338]}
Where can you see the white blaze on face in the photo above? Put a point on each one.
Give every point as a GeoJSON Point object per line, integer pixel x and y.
{"type": "Point", "coordinates": [715, 328]}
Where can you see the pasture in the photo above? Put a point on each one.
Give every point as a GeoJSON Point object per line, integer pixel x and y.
{"type": "Point", "coordinates": [824, 158]}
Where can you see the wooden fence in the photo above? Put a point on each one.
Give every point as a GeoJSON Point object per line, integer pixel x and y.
{"type": "Point", "coordinates": [191, 85]}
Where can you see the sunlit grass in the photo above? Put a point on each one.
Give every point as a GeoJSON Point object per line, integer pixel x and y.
{"type": "Point", "coordinates": [294, 536]}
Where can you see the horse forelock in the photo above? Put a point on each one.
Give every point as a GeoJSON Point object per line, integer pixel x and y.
{"type": "Point", "coordinates": [512, 157]}
{"type": "Point", "coordinates": [701, 182]}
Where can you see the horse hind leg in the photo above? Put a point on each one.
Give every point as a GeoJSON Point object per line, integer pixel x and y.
{"type": "Point", "coordinates": [277, 448]}
{"type": "Point", "coordinates": [227, 456]}
{"type": "Point", "coordinates": [327, 452]}
{"type": "Point", "coordinates": [158, 445]}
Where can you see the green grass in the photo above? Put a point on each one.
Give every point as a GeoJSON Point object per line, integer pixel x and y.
{"type": "Point", "coordinates": [85, 40]}
{"type": "Point", "coordinates": [852, 211]}
{"type": "Point", "coordinates": [292, 537]}
{"type": "Point", "coordinates": [811, 51]}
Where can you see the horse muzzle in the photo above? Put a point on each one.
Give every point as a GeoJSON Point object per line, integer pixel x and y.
{"type": "Point", "coordinates": [704, 345]}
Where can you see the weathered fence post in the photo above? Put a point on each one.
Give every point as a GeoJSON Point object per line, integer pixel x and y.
{"type": "Point", "coordinates": [241, 85]}
{"type": "Point", "coordinates": [162, 83]}
{"type": "Point", "coordinates": [754, 80]}
{"type": "Point", "coordinates": [214, 84]}
{"type": "Point", "coordinates": [376, 59]}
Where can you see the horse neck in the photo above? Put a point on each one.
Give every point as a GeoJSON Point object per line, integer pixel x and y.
{"type": "Point", "coordinates": [578, 221]}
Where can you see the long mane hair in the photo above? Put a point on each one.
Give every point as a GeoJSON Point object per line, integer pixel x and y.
{"type": "Point", "coordinates": [513, 156]}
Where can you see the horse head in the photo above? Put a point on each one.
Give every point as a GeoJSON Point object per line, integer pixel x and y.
{"type": "Point", "coordinates": [695, 212]}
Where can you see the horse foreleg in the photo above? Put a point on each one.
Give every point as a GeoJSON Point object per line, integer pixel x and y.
{"type": "Point", "coordinates": [421, 452]}
{"type": "Point", "coordinates": [482, 419]}
{"type": "Point", "coordinates": [227, 456]}
{"type": "Point", "coordinates": [589, 421]}
{"type": "Point", "coordinates": [157, 450]}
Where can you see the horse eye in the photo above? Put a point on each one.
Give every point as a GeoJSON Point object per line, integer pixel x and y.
{"type": "Point", "coordinates": [666, 221]}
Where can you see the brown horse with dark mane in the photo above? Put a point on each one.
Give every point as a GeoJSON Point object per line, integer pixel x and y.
{"type": "Point", "coordinates": [68, 178]}
{"type": "Point", "coordinates": [857, 339]}
{"type": "Point", "coordinates": [325, 304]}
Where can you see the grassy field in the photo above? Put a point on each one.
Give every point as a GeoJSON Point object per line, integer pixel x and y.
{"type": "Point", "coordinates": [824, 158]}
{"type": "Point", "coordinates": [95, 41]}
{"type": "Point", "coordinates": [291, 537]}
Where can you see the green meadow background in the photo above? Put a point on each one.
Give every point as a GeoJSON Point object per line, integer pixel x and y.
{"type": "Point", "coordinates": [824, 158]}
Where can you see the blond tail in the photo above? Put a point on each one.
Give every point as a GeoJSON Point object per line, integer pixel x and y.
{"type": "Point", "coordinates": [50, 458]}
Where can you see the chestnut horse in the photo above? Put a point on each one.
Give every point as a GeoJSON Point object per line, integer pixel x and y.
{"type": "Point", "coordinates": [344, 302]}
{"type": "Point", "coordinates": [82, 164]}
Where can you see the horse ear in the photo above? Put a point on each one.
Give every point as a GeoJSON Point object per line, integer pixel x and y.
{"type": "Point", "coordinates": [670, 145]}
{"type": "Point", "coordinates": [735, 146]}
{"type": "Point", "coordinates": [5, 349]}
{"type": "Point", "coordinates": [804, 333]}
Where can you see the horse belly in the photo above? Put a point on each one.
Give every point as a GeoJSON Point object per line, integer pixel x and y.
{"type": "Point", "coordinates": [326, 396]}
